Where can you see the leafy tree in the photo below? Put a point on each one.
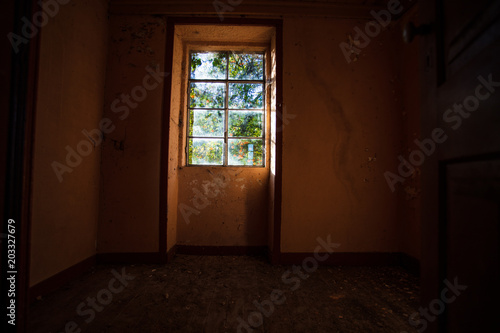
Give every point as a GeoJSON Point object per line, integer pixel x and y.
{"type": "Point", "coordinates": [246, 66]}
{"type": "Point", "coordinates": [245, 123]}
{"type": "Point", "coordinates": [207, 126]}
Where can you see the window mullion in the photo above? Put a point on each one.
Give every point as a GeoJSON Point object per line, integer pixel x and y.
{"type": "Point", "coordinates": [212, 84]}
{"type": "Point", "coordinates": [226, 114]}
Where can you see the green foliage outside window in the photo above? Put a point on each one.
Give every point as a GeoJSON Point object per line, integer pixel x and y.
{"type": "Point", "coordinates": [226, 109]}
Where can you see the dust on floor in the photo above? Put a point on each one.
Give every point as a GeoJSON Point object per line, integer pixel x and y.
{"type": "Point", "coordinates": [230, 294]}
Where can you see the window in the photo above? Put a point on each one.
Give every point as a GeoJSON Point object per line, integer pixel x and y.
{"type": "Point", "coordinates": [226, 108]}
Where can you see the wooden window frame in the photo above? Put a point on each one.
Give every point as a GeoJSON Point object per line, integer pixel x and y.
{"type": "Point", "coordinates": [226, 109]}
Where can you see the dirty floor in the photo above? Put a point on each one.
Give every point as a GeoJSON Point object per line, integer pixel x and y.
{"type": "Point", "coordinates": [229, 294]}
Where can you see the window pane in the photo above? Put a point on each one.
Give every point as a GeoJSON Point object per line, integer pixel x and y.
{"type": "Point", "coordinates": [206, 151]}
{"type": "Point", "coordinates": [208, 66]}
{"type": "Point", "coordinates": [246, 66]}
{"type": "Point", "coordinates": [245, 152]}
{"type": "Point", "coordinates": [246, 96]}
{"type": "Point", "coordinates": [206, 95]}
{"type": "Point", "coordinates": [206, 123]}
{"type": "Point", "coordinates": [245, 123]}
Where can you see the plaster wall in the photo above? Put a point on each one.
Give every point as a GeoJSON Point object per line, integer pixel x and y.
{"type": "Point", "coordinates": [65, 210]}
{"type": "Point", "coordinates": [344, 127]}
{"type": "Point", "coordinates": [130, 169]}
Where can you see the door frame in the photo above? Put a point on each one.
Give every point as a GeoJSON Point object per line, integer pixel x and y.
{"type": "Point", "coordinates": [274, 251]}
{"type": "Point", "coordinates": [23, 69]}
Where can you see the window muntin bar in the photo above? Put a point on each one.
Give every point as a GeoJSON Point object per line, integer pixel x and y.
{"type": "Point", "coordinates": [227, 94]}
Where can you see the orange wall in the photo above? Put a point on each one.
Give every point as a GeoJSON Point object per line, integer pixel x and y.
{"type": "Point", "coordinates": [346, 125]}
{"type": "Point", "coordinates": [344, 136]}
{"type": "Point", "coordinates": [70, 97]}
{"type": "Point", "coordinates": [273, 132]}
{"type": "Point", "coordinates": [175, 128]}
{"type": "Point", "coordinates": [131, 153]}
{"type": "Point", "coordinates": [231, 205]}
{"type": "Point", "coordinates": [346, 128]}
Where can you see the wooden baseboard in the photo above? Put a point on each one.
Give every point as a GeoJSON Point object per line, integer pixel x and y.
{"type": "Point", "coordinates": [411, 264]}
{"type": "Point", "coordinates": [137, 257]}
{"type": "Point", "coordinates": [222, 250]}
{"type": "Point", "coordinates": [273, 257]}
{"type": "Point", "coordinates": [171, 253]}
{"type": "Point", "coordinates": [345, 258]}
{"type": "Point", "coordinates": [56, 281]}
{"type": "Point", "coordinates": [130, 258]}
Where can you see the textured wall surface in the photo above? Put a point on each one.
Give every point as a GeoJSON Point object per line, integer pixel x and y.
{"type": "Point", "coordinates": [70, 95]}
{"type": "Point", "coordinates": [346, 133]}
{"type": "Point", "coordinates": [130, 167]}
{"type": "Point", "coordinates": [344, 127]}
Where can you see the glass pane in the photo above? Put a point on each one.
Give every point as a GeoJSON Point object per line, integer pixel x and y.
{"type": "Point", "coordinates": [206, 123]}
{"type": "Point", "coordinates": [246, 96]}
{"type": "Point", "coordinates": [245, 152]}
{"type": "Point", "coordinates": [207, 95]}
{"type": "Point", "coordinates": [208, 66]}
{"type": "Point", "coordinates": [245, 123]}
{"type": "Point", "coordinates": [246, 66]}
{"type": "Point", "coordinates": [206, 151]}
